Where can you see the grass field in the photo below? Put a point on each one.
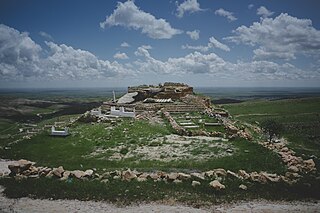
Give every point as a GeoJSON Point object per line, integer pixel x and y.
{"type": "Point", "coordinates": [94, 146]}
{"type": "Point", "coordinates": [300, 118]}
{"type": "Point", "coordinates": [80, 149]}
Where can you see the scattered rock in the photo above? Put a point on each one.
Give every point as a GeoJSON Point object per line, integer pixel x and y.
{"type": "Point", "coordinates": [243, 174]}
{"type": "Point", "coordinates": [78, 174]}
{"type": "Point", "coordinates": [309, 165]}
{"type": "Point", "coordinates": [177, 181]}
{"type": "Point", "coordinates": [141, 179]}
{"type": "Point", "coordinates": [183, 176]}
{"type": "Point", "coordinates": [128, 175]}
{"type": "Point", "coordinates": [232, 174]}
{"type": "Point", "coordinates": [216, 185]}
{"type": "Point", "coordinates": [172, 176]}
{"type": "Point", "coordinates": [197, 175]}
{"type": "Point", "coordinates": [88, 173]}
{"type": "Point", "coordinates": [65, 175]}
{"type": "Point", "coordinates": [19, 166]}
{"type": "Point", "coordinates": [58, 171]}
{"type": "Point", "coordinates": [195, 183]}
{"type": "Point", "coordinates": [293, 169]}
{"type": "Point", "coordinates": [116, 177]}
{"type": "Point", "coordinates": [243, 187]}
{"type": "Point", "coordinates": [220, 172]}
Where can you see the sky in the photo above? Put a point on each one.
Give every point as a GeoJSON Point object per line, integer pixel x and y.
{"type": "Point", "coordinates": [222, 43]}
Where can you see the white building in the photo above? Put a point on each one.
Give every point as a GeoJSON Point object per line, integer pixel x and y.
{"type": "Point", "coordinates": [55, 132]}
{"type": "Point", "coordinates": [121, 112]}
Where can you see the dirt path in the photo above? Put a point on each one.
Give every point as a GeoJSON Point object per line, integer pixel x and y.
{"type": "Point", "coordinates": [28, 205]}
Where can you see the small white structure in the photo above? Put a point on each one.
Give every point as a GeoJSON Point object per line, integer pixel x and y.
{"type": "Point", "coordinates": [121, 112]}
{"type": "Point", "coordinates": [96, 112]}
{"type": "Point", "coordinates": [55, 132]}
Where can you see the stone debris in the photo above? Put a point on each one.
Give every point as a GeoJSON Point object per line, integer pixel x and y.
{"type": "Point", "coordinates": [243, 187]}
{"type": "Point", "coordinates": [217, 185]}
{"type": "Point", "coordinates": [58, 171]}
{"type": "Point", "coordinates": [20, 166]}
{"type": "Point", "coordinates": [296, 165]}
{"type": "Point", "coordinates": [128, 175]}
{"type": "Point", "coordinates": [195, 183]}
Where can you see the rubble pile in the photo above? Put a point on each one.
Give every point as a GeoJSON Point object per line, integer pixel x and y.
{"type": "Point", "coordinates": [296, 165]}
{"type": "Point", "coordinates": [180, 130]}
{"type": "Point", "coordinates": [25, 169]}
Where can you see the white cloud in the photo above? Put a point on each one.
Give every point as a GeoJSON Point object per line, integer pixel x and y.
{"type": "Point", "coordinates": [193, 34]}
{"type": "Point", "coordinates": [124, 44]}
{"type": "Point", "coordinates": [282, 37]}
{"type": "Point", "coordinates": [216, 44]}
{"type": "Point", "coordinates": [21, 58]}
{"type": "Point", "coordinates": [19, 54]}
{"type": "Point", "coordinates": [147, 47]}
{"type": "Point", "coordinates": [213, 65]}
{"type": "Point", "coordinates": [65, 62]}
{"type": "Point", "coordinates": [188, 6]}
{"type": "Point", "coordinates": [45, 35]}
{"type": "Point", "coordinates": [129, 15]}
{"type": "Point", "coordinates": [227, 14]}
{"type": "Point", "coordinates": [119, 55]}
{"type": "Point", "coordinates": [250, 6]}
{"type": "Point", "coordinates": [264, 12]}
{"type": "Point", "coordinates": [213, 43]}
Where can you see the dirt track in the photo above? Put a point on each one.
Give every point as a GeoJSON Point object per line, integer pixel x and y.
{"type": "Point", "coordinates": [28, 205]}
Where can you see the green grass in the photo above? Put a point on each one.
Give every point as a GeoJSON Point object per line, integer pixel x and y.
{"type": "Point", "coordinates": [74, 150]}
{"type": "Point", "coordinates": [300, 118]}
{"type": "Point", "coordinates": [122, 192]}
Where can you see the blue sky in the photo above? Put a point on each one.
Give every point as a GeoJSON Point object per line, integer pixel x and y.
{"type": "Point", "coordinates": [120, 43]}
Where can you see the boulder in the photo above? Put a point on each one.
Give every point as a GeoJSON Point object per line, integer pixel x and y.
{"type": "Point", "coordinates": [116, 177]}
{"type": "Point", "coordinates": [141, 179]}
{"type": "Point", "coordinates": [78, 174]}
{"type": "Point", "coordinates": [154, 176]}
{"type": "Point", "coordinates": [144, 175]}
{"type": "Point", "coordinates": [254, 176]}
{"type": "Point", "coordinates": [220, 172]}
{"type": "Point", "coordinates": [209, 173]}
{"type": "Point", "coordinates": [197, 175]}
{"type": "Point", "coordinates": [216, 185]}
{"type": "Point", "coordinates": [58, 172]}
{"type": "Point", "coordinates": [49, 174]}
{"type": "Point", "coordinates": [232, 174]}
{"type": "Point", "coordinates": [20, 166]}
{"type": "Point", "coordinates": [309, 165]}
{"type": "Point", "coordinates": [44, 171]}
{"type": "Point", "coordinates": [172, 176]}
{"type": "Point", "coordinates": [243, 174]}
{"type": "Point", "coordinates": [195, 183]}
{"type": "Point", "coordinates": [65, 175]}
{"type": "Point", "coordinates": [183, 176]}
{"type": "Point", "coordinates": [270, 177]}
{"type": "Point", "coordinates": [88, 173]}
{"type": "Point", "coordinates": [33, 170]}
{"type": "Point", "coordinates": [243, 187]}
{"type": "Point", "coordinates": [128, 175]}
{"type": "Point", "coordinates": [293, 169]}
